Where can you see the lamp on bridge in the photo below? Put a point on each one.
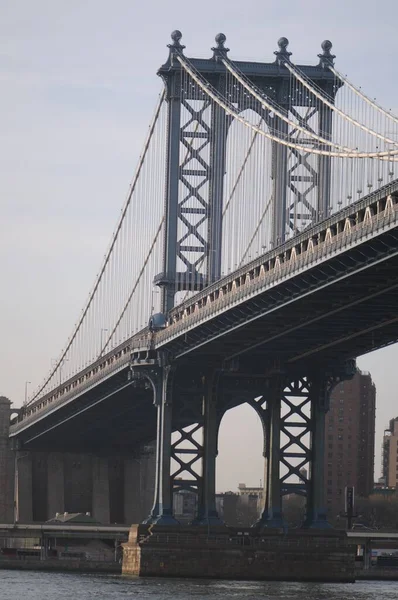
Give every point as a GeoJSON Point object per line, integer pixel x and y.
{"type": "Point", "coordinates": [26, 392]}
{"type": "Point", "coordinates": [103, 330]}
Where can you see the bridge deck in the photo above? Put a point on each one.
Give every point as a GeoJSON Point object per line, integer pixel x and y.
{"type": "Point", "coordinates": [332, 291]}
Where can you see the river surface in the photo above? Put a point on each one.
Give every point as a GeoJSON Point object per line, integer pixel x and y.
{"type": "Point", "coordinates": [30, 585]}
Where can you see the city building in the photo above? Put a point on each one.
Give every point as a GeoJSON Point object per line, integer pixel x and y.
{"type": "Point", "coordinates": [185, 504]}
{"type": "Point", "coordinates": [227, 507]}
{"type": "Point", "coordinates": [349, 441]}
{"type": "Point", "coordinates": [389, 455]}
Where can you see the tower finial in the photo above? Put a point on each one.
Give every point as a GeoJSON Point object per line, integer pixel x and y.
{"type": "Point", "coordinates": [220, 51]}
{"type": "Point", "coordinates": [282, 55]}
{"type": "Point", "coordinates": [326, 58]}
{"type": "Point", "coordinates": [176, 36]}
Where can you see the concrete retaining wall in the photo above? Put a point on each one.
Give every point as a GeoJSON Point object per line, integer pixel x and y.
{"type": "Point", "coordinates": [83, 566]}
{"type": "Point", "coordinates": [303, 556]}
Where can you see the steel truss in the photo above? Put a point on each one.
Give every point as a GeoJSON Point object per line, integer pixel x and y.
{"type": "Point", "coordinates": [196, 158]}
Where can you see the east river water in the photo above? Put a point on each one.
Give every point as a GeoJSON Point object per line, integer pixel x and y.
{"type": "Point", "coordinates": [29, 585]}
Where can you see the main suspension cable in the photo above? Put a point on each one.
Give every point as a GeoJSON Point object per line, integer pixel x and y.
{"type": "Point", "coordinates": [272, 106]}
{"type": "Point", "coordinates": [363, 96]}
{"type": "Point", "coordinates": [303, 80]}
{"type": "Point", "coordinates": [92, 294]}
{"type": "Point", "coordinates": [231, 110]}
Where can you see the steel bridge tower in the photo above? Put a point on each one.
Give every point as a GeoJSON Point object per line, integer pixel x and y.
{"type": "Point", "coordinates": [195, 171]}
{"type": "Point", "coordinates": [290, 403]}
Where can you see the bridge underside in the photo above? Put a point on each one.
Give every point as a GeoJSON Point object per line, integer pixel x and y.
{"type": "Point", "coordinates": [114, 417]}
{"type": "Point", "coordinates": [340, 309]}
{"type": "Point", "coordinates": [336, 310]}
{"type": "Point", "coordinates": [119, 416]}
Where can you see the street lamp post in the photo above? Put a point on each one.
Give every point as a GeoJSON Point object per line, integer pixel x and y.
{"type": "Point", "coordinates": [26, 391]}
{"type": "Point", "coordinates": [60, 369]}
{"type": "Point", "coordinates": [61, 364]}
{"type": "Point", "coordinates": [103, 330]}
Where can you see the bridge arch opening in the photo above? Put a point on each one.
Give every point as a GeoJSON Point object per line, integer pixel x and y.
{"type": "Point", "coordinates": [241, 466]}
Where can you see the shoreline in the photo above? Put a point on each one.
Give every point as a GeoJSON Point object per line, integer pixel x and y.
{"type": "Point", "coordinates": [67, 566]}
{"type": "Point", "coordinates": [74, 566]}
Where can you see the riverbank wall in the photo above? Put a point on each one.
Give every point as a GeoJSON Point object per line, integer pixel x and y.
{"type": "Point", "coordinates": [229, 553]}
{"type": "Point", "coordinates": [49, 564]}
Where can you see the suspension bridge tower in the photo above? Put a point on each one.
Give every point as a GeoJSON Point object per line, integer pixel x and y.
{"type": "Point", "coordinates": [205, 97]}
{"type": "Point", "coordinates": [198, 128]}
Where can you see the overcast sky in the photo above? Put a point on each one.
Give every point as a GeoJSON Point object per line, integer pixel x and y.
{"type": "Point", "coordinates": [78, 87]}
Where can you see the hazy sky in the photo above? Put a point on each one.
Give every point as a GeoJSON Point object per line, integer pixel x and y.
{"type": "Point", "coordinates": [78, 87]}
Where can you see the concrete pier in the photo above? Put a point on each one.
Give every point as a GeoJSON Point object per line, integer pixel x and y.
{"type": "Point", "coordinates": [7, 464]}
{"type": "Point", "coordinates": [232, 553]}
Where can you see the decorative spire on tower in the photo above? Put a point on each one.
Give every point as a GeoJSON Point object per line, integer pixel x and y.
{"type": "Point", "coordinates": [176, 36]}
{"type": "Point", "coordinates": [220, 51]}
{"type": "Point", "coordinates": [326, 58]}
{"type": "Point", "coordinates": [282, 55]}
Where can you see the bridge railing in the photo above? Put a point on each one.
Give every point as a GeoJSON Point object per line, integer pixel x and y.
{"type": "Point", "coordinates": [254, 541]}
{"type": "Point", "coordinates": [98, 371]}
{"type": "Point", "coordinates": [336, 235]}
{"type": "Point", "coordinates": [84, 380]}
{"type": "Point", "coordinates": [354, 223]}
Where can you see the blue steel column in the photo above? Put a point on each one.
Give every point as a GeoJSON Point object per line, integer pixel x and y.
{"type": "Point", "coordinates": [165, 512]}
{"type": "Point", "coordinates": [316, 509]}
{"type": "Point", "coordinates": [280, 154]}
{"type": "Point", "coordinates": [272, 514]}
{"type": "Point", "coordinates": [325, 124]}
{"type": "Point", "coordinates": [219, 129]}
{"type": "Point", "coordinates": [162, 510]}
{"type": "Point", "coordinates": [217, 169]}
{"type": "Point", "coordinates": [279, 175]}
{"type": "Point", "coordinates": [324, 164]}
{"type": "Point", "coordinates": [157, 388]}
{"type": "Point", "coordinates": [173, 96]}
{"type": "Point", "coordinates": [207, 512]}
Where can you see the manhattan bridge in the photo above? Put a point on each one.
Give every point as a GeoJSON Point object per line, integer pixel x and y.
{"type": "Point", "coordinates": [254, 259]}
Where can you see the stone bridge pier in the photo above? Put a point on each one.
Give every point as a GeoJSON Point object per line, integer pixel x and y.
{"type": "Point", "coordinates": [35, 485]}
{"type": "Point", "coordinates": [292, 405]}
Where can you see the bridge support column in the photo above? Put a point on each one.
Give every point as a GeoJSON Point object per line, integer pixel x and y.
{"type": "Point", "coordinates": [207, 512]}
{"type": "Point", "coordinates": [6, 463]}
{"type": "Point", "coordinates": [55, 484]}
{"type": "Point", "coordinates": [162, 510]}
{"type": "Point", "coordinates": [324, 165]}
{"type": "Point", "coordinates": [316, 509]}
{"type": "Point", "coordinates": [100, 503]}
{"type": "Point", "coordinates": [23, 487]}
{"type": "Point", "coordinates": [280, 168]}
{"type": "Point", "coordinates": [272, 514]}
{"type": "Point", "coordinates": [132, 490]}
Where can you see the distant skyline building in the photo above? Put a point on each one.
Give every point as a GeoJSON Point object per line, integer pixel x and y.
{"type": "Point", "coordinates": [350, 441]}
{"type": "Point", "coordinates": [389, 455]}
